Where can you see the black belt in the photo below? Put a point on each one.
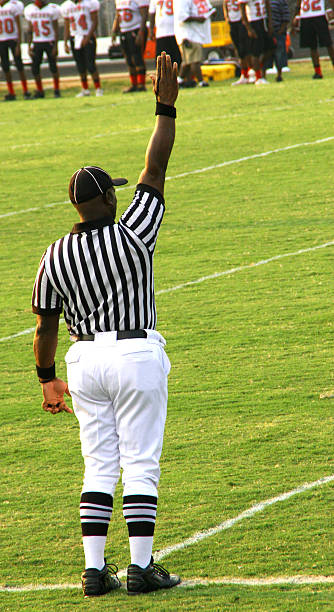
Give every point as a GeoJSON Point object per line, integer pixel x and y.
{"type": "Point", "coordinates": [120, 335]}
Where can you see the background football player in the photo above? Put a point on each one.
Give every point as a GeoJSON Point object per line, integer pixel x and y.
{"type": "Point", "coordinates": [314, 31]}
{"type": "Point", "coordinates": [42, 21]}
{"type": "Point", "coordinates": [10, 39]}
{"type": "Point", "coordinates": [80, 24]}
{"type": "Point", "coordinates": [130, 22]}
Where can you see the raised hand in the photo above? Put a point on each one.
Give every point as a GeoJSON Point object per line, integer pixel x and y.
{"type": "Point", "coordinates": [165, 85]}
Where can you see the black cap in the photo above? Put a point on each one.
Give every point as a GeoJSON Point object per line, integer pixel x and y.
{"type": "Point", "coordinates": [89, 182]}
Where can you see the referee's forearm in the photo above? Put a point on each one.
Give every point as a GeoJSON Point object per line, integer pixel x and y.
{"type": "Point", "coordinates": [46, 340]}
{"type": "Point", "coordinates": [161, 144]}
{"type": "Point", "coordinates": [45, 346]}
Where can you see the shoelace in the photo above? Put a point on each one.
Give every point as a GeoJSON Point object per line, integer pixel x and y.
{"type": "Point", "coordinates": [113, 569]}
{"type": "Point", "coordinates": [160, 570]}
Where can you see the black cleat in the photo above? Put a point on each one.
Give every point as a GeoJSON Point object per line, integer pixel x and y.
{"type": "Point", "coordinates": [131, 89]}
{"type": "Point", "coordinates": [9, 97]}
{"type": "Point", "coordinates": [141, 88]}
{"type": "Point", "coordinates": [152, 578]}
{"type": "Point", "coordinates": [27, 95]}
{"type": "Point", "coordinates": [317, 76]}
{"type": "Point", "coordinates": [99, 582]}
{"type": "Point", "coordinates": [38, 94]}
{"type": "Point", "coordinates": [56, 93]}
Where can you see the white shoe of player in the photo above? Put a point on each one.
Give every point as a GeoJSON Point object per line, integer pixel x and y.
{"type": "Point", "coordinates": [242, 81]}
{"type": "Point", "coordinates": [251, 78]}
{"type": "Point", "coordinates": [285, 69]}
{"type": "Point", "coordinates": [83, 93]}
{"type": "Point", "coordinates": [272, 70]}
{"type": "Point", "coordinates": [261, 82]}
{"type": "Point", "coordinates": [99, 92]}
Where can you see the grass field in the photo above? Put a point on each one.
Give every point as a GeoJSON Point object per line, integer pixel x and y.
{"type": "Point", "coordinates": [244, 283]}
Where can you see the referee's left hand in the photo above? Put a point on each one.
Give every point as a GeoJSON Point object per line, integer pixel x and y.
{"type": "Point", "coordinates": [53, 393]}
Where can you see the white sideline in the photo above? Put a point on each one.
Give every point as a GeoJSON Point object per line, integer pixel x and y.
{"type": "Point", "coordinates": [186, 584]}
{"type": "Point", "coordinates": [201, 535]}
{"type": "Point", "coordinates": [205, 278]}
{"type": "Point", "coordinates": [191, 172]}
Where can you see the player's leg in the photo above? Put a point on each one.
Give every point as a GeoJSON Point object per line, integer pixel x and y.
{"type": "Point", "coordinates": [4, 58]}
{"type": "Point", "coordinates": [268, 48]}
{"type": "Point", "coordinates": [52, 60]}
{"type": "Point", "coordinates": [80, 62]}
{"type": "Point", "coordinates": [16, 52]}
{"type": "Point", "coordinates": [185, 76]}
{"type": "Point", "coordinates": [90, 59]}
{"type": "Point", "coordinates": [170, 46]}
{"type": "Point", "coordinates": [38, 50]}
{"type": "Point", "coordinates": [308, 39]}
{"type": "Point", "coordinates": [257, 51]}
{"type": "Point", "coordinates": [194, 57]}
{"type": "Point", "coordinates": [197, 72]}
{"type": "Point", "coordinates": [324, 36]}
{"type": "Point", "coordinates": [316, 63]}
{"type": "Point", "coordinates": [127, 44]}
{"type": "Point", "coordinates": [138, 58]}
{"type": "Point", "coordinates": [174, 51]}
{"type": "Point", "coordinates": [280, 55]}
{"type": "Point", "coordinates": [240, 40]}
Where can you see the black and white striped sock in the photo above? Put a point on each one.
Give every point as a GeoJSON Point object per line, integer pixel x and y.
{"type": "Point", "coordinates": [140, 513]}
{"type": "Point", "coordinates": [95, 513]}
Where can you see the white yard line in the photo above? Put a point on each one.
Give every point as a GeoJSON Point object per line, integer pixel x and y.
{"type": "Point", "coordinates": [202, 535]}
{"type": "Point", "coordinates": [186, 584]}
{"type": "Point", "coordinates": [262, 262]}
{"type": "Point", "coordinates": [269, 581]}
{"type": "Point", "coordinates": [241, 268]}
{"type": "Point", "coordinates": [149, 128]}
{"type": "Point", "coordinates": [197, 171]}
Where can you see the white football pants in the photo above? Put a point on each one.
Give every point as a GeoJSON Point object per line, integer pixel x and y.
{"type": "Point", "coordinates": [119, 394]}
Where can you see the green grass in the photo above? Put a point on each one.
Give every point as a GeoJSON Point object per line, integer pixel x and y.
{"type": "Point", "coordinates": [251, 351]}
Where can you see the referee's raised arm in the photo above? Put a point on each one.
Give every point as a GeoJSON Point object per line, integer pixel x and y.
{"type": "Point", "coordinates": [165, 87]}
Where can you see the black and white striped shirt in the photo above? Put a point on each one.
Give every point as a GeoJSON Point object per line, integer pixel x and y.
{"type": "Point", "coordinates": [101, 273]}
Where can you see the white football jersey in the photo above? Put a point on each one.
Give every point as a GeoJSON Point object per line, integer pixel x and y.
{"type": "Point", "coordinates": [312, 8]}
{"type": "Point", "coordinates": [164, 17]}
{"type": "Point", "coordinates": [79, 15]}
{"type": "Point", "coordinates": [129, 13]}
{"type": "Point", "coordinates": [255, 9]}
{"type": "Point", "coordinates": [192, 30]}
{"type": "Point", "coordinates": [8, 14]}
{"type": "Point", "coordinates": [233, 10]}
{"type": "Point", "coordinates": [41, 20]}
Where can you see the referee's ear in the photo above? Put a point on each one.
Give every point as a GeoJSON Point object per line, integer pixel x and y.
{"type": "Point", "coordinates": [110, 200]}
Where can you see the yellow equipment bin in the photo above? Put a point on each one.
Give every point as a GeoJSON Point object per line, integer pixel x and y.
{"type": "Point", "coordinates": [220, 34]}
{"type": "Point", "coordinates": [218, 72]}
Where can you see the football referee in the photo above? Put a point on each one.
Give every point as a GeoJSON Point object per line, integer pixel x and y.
{"type": "Point", "coordinates": [101, 276]}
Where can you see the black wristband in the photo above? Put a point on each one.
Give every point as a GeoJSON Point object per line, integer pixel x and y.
{"type": "Point", "coordinates": [165, 109]}
{"type": "Point", "coordinates": [46, 374]}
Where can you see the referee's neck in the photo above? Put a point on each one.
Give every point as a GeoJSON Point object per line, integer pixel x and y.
{"type": "Point", "coordinates": [95, 209]}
